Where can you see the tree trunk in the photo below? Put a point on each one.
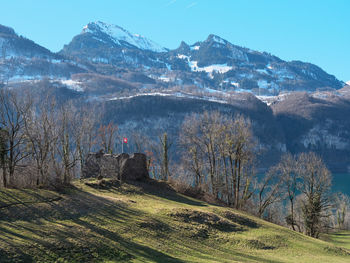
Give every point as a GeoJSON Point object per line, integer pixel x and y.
{"type": "Point", "coordinates": [4, 176]}
{"type": "Point", "coordinates": [292, 212]}
{"type": "Point", "coordinates": [238, 184]}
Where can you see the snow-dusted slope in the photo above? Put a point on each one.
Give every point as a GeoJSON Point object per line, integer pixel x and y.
{"type": "Point", "coordinates": [118, 35]}
{"type": "Point", "coordinates": [348, 83]}
{"type": "Point", "coordinates": [15, 46]}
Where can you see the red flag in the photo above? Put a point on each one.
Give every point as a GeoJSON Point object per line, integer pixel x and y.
{"type": "Point", "coordinates": [125, 140]}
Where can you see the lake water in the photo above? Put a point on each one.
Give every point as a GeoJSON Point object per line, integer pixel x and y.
{"type": "Point", "coordinates": [341, 183]}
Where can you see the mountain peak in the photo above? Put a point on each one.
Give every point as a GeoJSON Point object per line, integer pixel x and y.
{"type": "Point", "coordinates": [119, 35]}
{"type": "Point", "coordinates": [184, 46]}
{"type": "Point", "coordinates": [7, 30]}
{"type": "Point", "coordinates": [99, 26]}
{"type": "Point", "coordinates": [217, 39]}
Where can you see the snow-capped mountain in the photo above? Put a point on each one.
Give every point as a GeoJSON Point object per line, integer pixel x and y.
{"type": "Point", "coordinates": [103, 43]}
{"type": "Point", "coordinates": [214, 63]}
{"type": "Point", "coordinates": [230, 67]}
{"type": "Point", "coordinates": [106, 32]}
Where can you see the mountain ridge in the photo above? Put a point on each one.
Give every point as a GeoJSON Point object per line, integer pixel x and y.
{"type": "Point", "coordinates": [225, 66]}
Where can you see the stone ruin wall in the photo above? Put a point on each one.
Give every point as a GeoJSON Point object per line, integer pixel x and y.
{"type": "Point", "coordinates": [118, 166]}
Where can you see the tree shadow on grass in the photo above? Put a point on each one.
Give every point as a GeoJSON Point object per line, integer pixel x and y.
{"type": "Point", "coordinates": [163, 190]}
{"type": "Point", "coordinates": [342, 234]}
{"type": "Point", "coordinates": [79, 222]}
{"type": "Point", "coordinates": [6, 257]}
{"type": "Point", "coordinates": [82, 221]}
{"type": "Point", "coordinates": [135, 249]}
{"type": "Point", "coordinates": [71, 206]}
{"type": "Point", "coordinates": [243, 221]}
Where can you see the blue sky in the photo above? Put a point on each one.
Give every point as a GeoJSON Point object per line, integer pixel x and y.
{"type": "Point", "coordinates": [316, 31]}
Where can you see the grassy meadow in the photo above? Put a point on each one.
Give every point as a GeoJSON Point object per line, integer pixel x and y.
{"type": "Point", "coordinates": [146, 222]}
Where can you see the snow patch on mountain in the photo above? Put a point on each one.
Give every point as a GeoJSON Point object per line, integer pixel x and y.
{"type": "Point", "coordinates": [238, 54]}
{"type": "Point", "coordinates": [24, 78]}
{"type": "Point", "coordinates": [284, 74]}
{"type": "Point", "coordinates": [220, 68]}
{"type": "Point", "coordinates": [176, 94]}
{"type": "Point", "coordinates": [324, 94]}
{"type": "Point", "coordinates": [180, 56]}
{"type": "Point", "coordinates": [263, 71]}
{"type": "Point", "coordinates": [164, 79]}
{"type": "Point", "coordinates": [117, 34]}
{"type": "Point", "coordinates": [73, 85]}
{"type": "Point", "coordinates": [263, 84]}
{"type": "Point", "coordinates": [218, 39]}
{"type": "Point", "coordinates": [100, 60]}
{"type": "Point", "coordinates": [273, 99]}
{"type": "Point", "coordinates": [235, 84]}
{"type": "Point", "coordinates": [348, 83]}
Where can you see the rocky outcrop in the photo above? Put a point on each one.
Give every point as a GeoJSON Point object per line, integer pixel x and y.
{"type": "Point", "coordinates": [119, 166]}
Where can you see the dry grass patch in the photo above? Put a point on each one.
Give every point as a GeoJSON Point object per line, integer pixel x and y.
{"type": "Point", "coordinates": [211, 220]}
{"type": "Point", "coordinates": [243, 221]}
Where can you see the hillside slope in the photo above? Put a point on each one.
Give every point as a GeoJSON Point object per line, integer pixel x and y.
{"type": "Point", "coordinates": [143, 222]}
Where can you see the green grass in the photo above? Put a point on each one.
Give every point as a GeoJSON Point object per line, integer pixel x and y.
{"type": "Point", "coordinates": [144, 222]}
{"type": "Point", "coordinates": [341, 238]}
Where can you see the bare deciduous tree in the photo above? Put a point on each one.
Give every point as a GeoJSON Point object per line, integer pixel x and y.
{"type": "Point", "coordinates": [315, 187]}
{"type": "Point", "coordinates": [85, 133]}
{"type": "Point", "coordinates": [12, 114]}
{"type": "Point", "coordinates": [270, 190]}
{"type": "Point", "coordinates": [290, 178]}
{"type": "Point", "coordinates": [41, 132]}
{"type": "Point", "coordinates": [342, 210]}
{"type": "Point", "coordinates": [166, 145]}
{"type": "Point", "coordinates": [107, 135]}
{"type": "Point", "coordinates": [68, 124]}
{"type": "Point", "coordinates": [3, 155]}
{"type": "Point", "coordinates": [192, 157]}
{"type": "Point", "coordinates": [219, 150]}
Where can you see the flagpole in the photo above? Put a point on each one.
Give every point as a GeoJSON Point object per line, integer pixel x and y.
{"type": "Point", "coordinates": [122, 145]}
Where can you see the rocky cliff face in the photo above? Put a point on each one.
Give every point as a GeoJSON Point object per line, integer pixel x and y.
{"type": "Point", "coordinates": [317, 122]}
